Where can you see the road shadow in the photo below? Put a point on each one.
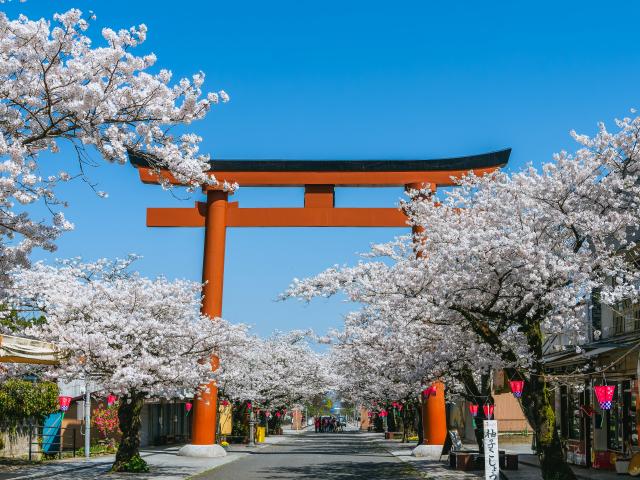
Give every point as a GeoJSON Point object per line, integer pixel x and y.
{"type": "Point", "coordinates": [343, 471]}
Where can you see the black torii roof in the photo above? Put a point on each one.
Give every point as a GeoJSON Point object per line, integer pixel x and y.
{"type": "Point", "coordinates": [498, 158]}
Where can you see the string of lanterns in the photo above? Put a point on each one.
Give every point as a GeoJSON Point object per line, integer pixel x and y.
{"type": "Point", "coordinates": [604, 394]}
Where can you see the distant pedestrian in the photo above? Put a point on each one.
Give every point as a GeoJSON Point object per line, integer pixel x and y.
{"type": "Point", "coordinates": [317, 424]}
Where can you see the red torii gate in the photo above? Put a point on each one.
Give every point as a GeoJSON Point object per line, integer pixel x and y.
{"type": "Point", "coordinates": [319, 179]}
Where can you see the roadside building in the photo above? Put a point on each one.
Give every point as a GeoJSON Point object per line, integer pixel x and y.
{"type": "Point", "coordinates": [597, 437]}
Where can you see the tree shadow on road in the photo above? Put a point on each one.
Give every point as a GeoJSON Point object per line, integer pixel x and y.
{"type": "Point", "coordinates": [343, 471]}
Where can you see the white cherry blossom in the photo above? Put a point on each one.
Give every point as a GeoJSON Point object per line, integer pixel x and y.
{"type": "Point", "coordinates": [59, 87]}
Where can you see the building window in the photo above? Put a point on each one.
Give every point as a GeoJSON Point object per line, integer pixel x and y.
{"type": "Point", "coordinates": [596, 310]}
{"type": "Point", "coordinates": [615, 421]}
{"type": "Point", "coordinates": [631, 409]}
{"type": "Point", "coordinates": [626, 317]}
{"type": "Point", "coordinates": [573, 412]}
{"type": "Point", "coordinates": [618, 323]}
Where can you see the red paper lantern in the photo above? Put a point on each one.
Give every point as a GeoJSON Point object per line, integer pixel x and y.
{"type": "Point", "coordinates": [516, 387]}
{"type": "Point", "coordinates": [488, 411]}
{"type": "Point", "coordinates": [188, 406]}
{"type": "Point", "coordinates": [473, 409]}
{"type": "Point", "coordinates": [427, 392]}
{"type": "Point", "coordinates": [64, 402]}
{"type": "Point", "coordinates": [604, 393]}
{"type": "Point", "coordinates": [224, 403]}
{"type": "Point", "coordinates": [383, 413]}
{"type": "Point", "coordinates": [111, 399]}
{"type": "Point", "coordinates": [278, 414]}
{"type": "Point", "coordinates": [249, 405]}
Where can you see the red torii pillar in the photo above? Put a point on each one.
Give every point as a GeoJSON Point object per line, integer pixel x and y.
{"type": "Point", "coordinates": [433, 409]}
{"type": "Point", "coordinates": [205, 412]}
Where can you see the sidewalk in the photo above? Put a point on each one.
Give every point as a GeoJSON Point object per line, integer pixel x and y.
{"type": "Point", "coordinates": [164, 463]}
{"type": "Point", "coordinates": [432, 469]}
{"type": "Point", "coordinates": [529, 469]}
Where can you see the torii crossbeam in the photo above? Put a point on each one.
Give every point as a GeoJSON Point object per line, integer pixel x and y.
{"type": "Point", "coordinates": [319, 179]}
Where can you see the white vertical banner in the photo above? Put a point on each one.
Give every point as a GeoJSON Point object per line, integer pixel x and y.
{"type": "Point", "coordinates": [491, 452]}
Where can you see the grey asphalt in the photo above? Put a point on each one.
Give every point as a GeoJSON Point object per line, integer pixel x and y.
{"type": "Point", "coordinates": [338, 456]}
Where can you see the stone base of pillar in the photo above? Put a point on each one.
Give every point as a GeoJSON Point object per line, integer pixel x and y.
{"type": "Point", "coordinates": [430, 452]}
{"type": "Point", "coordinates": [204, 451]}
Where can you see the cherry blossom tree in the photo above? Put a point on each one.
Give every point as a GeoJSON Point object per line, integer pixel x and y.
{"type": "Point", "coordinates": [280, 371]}
{"type": "Point", "coordinates": [61, 93]}
{"type": "Point", "coordinates": [511, 260]}
{"type": "Point", "coordinates": [385, 355]}
{"type": "Point", "coordinates": [133, 336]}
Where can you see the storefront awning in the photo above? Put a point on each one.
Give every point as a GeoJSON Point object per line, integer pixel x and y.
{"type": "Point", "coordinates": [598, 351]}
{"type": "Point", "coordinates": [27, 350]}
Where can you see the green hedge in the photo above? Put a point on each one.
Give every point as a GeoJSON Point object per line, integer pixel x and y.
{"type": "Point", "coordinates": [22, 399]}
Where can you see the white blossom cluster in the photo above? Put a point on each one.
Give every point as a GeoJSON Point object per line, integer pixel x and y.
{"type": "Point", "coordinates": [281, 370]}
{"type": "Point", "coordinates": [122, 331]}
{"type": "Point", "coordinates": [57, 88]}
{"type": "Point", "coordinates": [384, 356]}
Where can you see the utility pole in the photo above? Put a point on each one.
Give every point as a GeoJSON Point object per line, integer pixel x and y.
{"type": "Point", "coordinates": [87, 421]}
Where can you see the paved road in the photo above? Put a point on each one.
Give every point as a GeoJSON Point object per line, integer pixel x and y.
{"type": "Point", "coordinates": [338, 456]}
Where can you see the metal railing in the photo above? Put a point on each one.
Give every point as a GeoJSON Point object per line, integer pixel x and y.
{"type": "Point", "coordinates": [59, 440]}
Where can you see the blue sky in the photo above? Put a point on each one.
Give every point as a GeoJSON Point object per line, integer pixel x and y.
{"type": "Point", "coordinates": [347, 80]}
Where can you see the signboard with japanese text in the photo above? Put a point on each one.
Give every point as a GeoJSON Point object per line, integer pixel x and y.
{"type": "Point", "coordinates": [491, 452]}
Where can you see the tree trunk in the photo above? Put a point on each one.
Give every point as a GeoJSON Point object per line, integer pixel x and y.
{"type": "Point", "coordinates": [537, 407]}
{"type": "Point", "coordinates": [128, 456]}
{"type": "Point", "coordinates": [536, 398]}
{"type": "Point", "coordinates": [391, 419]}
{"type": "Point", "coordinates": [479, 428]}
{"type": "Point", "coordinates": [418, 410]}
{"type": "Point", "coordinates": [536, 403]}
{"type": "Point", "coordinates": [407, 421]}
{"type": "Point", "coordinates": [477, 395]}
